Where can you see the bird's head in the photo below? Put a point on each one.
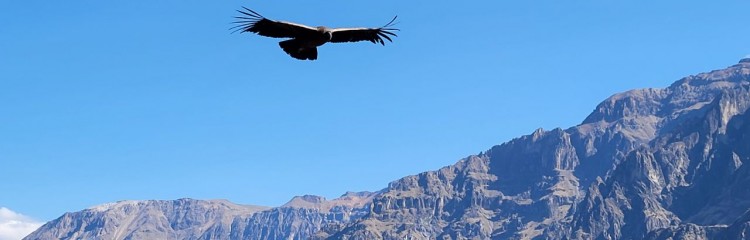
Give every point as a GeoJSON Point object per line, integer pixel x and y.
{"type": "Point", "coordinates": [327, 32]}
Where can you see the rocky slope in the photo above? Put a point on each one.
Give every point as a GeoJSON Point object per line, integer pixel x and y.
{"type": "Point", "coordinates": [300, 218]}
{"type": "Point", "coordinates": [690, 174]}
{"type": "Point", "coordinates": [654, 163]}
{"type": "Point", "coordinates": [178, 219]}
{"type": "Point", "coordinates": [646, 164]}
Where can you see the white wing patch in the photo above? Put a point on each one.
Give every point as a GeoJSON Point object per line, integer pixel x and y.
{"type": "Point", "coordinates": [349, 29]}
{"type": "Point", "coordinates": [297, 25]}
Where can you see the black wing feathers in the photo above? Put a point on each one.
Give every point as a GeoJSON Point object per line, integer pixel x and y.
{"type": "Point", "coordinates": [374, 35]}
{"type": "Point", "coordinates": [256, 23]}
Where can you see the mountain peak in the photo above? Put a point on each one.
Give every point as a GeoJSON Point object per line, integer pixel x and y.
{"type": "Point", "coordinates": [305, 201]}
{"type": "Point", "coordinates": [113, 205]}
{"type": "Point", "coordinates": [682, 94]}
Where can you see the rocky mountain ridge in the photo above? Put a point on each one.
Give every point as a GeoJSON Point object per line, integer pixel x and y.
{"type": "Point", "coordinates": [645, 164]}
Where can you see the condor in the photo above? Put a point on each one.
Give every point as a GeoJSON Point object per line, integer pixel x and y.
{"type": "Point", "coordinates": [305, 40]}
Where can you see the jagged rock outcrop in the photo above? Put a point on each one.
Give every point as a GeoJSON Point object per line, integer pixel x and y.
{"type": "Point", "coordinates": [689, 175]}
{"type": "Point", "coordinates": [302, 217]}
{"type": "Point", "coordinates": [645, 164]}
{"type": "Point", "coordinates": [515, 189]}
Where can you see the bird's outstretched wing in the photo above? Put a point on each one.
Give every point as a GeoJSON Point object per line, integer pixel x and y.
{"type": "Point", "coordinates": [253, 22]}
{"type": "Point", "coordinates": [374, 35]}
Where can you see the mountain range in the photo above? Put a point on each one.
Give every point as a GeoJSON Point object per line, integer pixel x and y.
{"type": "Point", "coordinates": [667, 163]}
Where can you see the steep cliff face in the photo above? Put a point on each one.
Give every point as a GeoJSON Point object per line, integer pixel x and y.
{"type": "Point", "coordinates": [646, 164]}
{"type": "Point", "coordinates": [515, 189]}
{"type": "Point", "coordinates": [689, 175]}
{"type": "Point", "coordinates": [302, 217]}
{"type": "Point", "coordinates": [644, 160]}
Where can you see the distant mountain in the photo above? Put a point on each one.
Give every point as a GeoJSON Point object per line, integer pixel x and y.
{"type": "Point", "coordinates": [178, 219]}
{"type": "Point", "coordinates": [646, 164]}
{"type": "Point", "coordinates": [300, 218]}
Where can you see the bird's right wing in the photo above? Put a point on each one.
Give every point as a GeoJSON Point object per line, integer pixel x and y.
{"type": "Point", "coordinates": [255, 23]}
{"type": "Point", "coordinates": [374, 35]}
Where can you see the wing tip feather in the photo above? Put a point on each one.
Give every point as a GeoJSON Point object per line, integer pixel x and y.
{"type": "Point", "coordinates": [247, 22]}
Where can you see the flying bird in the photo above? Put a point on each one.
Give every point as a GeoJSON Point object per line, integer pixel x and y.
{"type": "Point", "coordinates": [305, 40]}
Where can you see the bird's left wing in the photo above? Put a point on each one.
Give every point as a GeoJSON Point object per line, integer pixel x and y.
{"type": "Point", "coordinates": [374, 35]}
{"type": "Point", "coordinates": [256, 23]}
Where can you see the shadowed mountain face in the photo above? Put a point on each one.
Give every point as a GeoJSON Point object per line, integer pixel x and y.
{"type": "Point", "coordinates": [646, 164]}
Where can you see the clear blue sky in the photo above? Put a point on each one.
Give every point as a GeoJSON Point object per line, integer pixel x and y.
{"type": "Point", "coordinates": [103, 101]}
